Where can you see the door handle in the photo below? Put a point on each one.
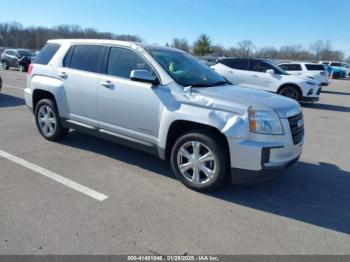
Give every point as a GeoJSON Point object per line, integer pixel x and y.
{"type": "Point", "coordinates": [231, 72]}
{"type": "Point", "coordinates": [107, 84]}
{"type": "Point", "coordinates": [255, 76]}
{"type": "Point", "coordinates": [62, 74]}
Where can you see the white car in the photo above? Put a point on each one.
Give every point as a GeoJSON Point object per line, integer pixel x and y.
{"type": "Point", "coordinates": [338, 65]}
{"type": "Point", "coordinates": [310, 70]}
{"type": "Point", "coordinates": [264, 75]}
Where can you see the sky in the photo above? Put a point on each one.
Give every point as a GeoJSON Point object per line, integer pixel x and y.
{"type": "Point", "coordinates": [265, 22]}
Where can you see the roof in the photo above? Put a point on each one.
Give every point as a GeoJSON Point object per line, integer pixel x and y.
{"type": "Point", "coordinates": [299, 62]}
{"type": "Point", "coordinates": [110, 42]}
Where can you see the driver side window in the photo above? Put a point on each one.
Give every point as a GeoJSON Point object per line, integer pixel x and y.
{"type": "Point", "coordinates": [122, 61]}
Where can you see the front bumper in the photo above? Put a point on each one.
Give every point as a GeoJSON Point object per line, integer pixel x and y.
{"type": "Point", "coordinates": [246, 177]}
{"type": "Point", "coordinates": [262, 157]}
{"type": "Point", "coordinates": [309, 99]}
{"type": "Point", "coordinates": [313, 95]}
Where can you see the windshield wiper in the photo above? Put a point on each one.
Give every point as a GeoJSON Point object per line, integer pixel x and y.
{"type": "Point", "coordinates": [218, 83]}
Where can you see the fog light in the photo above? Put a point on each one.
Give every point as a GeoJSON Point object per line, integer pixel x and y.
{"type": "Point", "coordinates": [310, 92]}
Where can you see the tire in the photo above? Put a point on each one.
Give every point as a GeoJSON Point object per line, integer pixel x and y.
{"type": "Point", "coordinates": [22, 68]}
{"type": "Point", "coordinates": [291, 92]}
{"type": "Point", "coordinates": [216, 166]}
{"type": "Point", "coordinates": [48, 121]}
{"type": "Point", "coordinates": [5, 66]}
{"type": "Point", "coordinates": [336, 75]}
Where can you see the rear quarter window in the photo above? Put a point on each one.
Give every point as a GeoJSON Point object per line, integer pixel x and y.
{"type": "Point", "coordinates": [335, 64]}
{"type": "Point", "coordinates": [291, 67]}
{"type": "Point", "coordinates": [87, 58]}
{"type": "Point", "coordinates": [46, 54]}
{"type": "Point", "coordinates": [312, 67]}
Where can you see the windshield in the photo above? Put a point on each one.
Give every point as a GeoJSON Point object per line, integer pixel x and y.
{"type": "Point", "coordinates": [25, 53]}
{"type": "Point", "coordinates": [187, 70]}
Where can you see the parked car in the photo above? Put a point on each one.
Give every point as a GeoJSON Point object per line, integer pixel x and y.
{"type": "Point", "coordinates": [264, 75]}
{"type": "Point", "coordinates": [166, 102]}
{"type": "Point", "coordinates": [335, 73]}
{"type": "Point", "coordinates": [338, 65]}
{"type": "Point", "coordinates": [17, 58]}
{"type": "Point", "coordinates": [310, 70]}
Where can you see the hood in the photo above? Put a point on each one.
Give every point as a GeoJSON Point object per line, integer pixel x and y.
{"type": "Point", "coordinates": [238, 99]}
{"type": "Point", "coordinates": [299, 78]}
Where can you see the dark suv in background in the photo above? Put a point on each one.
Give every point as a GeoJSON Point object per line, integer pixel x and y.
{"type": "Point", "coordinates": [17, 58]}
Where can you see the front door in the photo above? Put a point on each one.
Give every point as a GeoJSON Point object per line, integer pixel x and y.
{"type": "Point", "coordinates": [259, 79]}
{"type": "Point", "coordinates": [127, 107]}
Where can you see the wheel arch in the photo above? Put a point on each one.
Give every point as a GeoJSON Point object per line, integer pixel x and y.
{"type": "Point", "coordinates": [290, 84]}
{"type": "Point", "coordinates": [179, 127]}
{"type": "Point", "coordinates": [40, 94]}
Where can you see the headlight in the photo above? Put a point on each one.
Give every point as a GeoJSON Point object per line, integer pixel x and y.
{"type": "Point", "coordinates": [264, 121]}
{"type": "Point", "coordinates": [310, 83]}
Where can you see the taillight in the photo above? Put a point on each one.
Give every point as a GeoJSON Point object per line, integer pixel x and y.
{"type": "Point", "coordinates": [30, 69]}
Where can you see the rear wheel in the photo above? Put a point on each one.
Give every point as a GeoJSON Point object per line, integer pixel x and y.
{"type": "Point", "coordinates": [48, 121]}
{"type": "Point", "coordinates": [199, 160]}
{"type": "Point", "coordinates": [5, 66]}
{"type": "Point", "coordinates": [291, 92]}
{"type": "Point", "coordinates": [336, 75]}
{"type": "Point", "coordinates": [22, 68]}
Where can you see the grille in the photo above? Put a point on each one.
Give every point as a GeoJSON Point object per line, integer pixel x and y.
{"type": "Point", "coordinates": [319, 91]}
{"type": "Point", "coordinates": [297, 132]}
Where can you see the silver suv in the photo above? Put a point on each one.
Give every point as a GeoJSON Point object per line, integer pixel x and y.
{"type": "Point", "coordinates": [166, 102]}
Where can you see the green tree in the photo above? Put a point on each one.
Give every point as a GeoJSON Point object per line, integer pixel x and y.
{"type": "Point", "coordinates": [202, 46]}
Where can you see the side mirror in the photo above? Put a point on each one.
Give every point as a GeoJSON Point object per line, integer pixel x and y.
{"type": "Point", "coordinates": [145, 76]}
{"type": "Point", "coordinates": [270, 71]}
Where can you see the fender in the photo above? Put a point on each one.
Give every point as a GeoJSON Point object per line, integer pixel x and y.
{"type": "Point", "coordinates": [53, 86]}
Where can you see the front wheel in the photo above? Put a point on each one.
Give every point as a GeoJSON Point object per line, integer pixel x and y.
{"type": "Point", "coordinates": [48, 121]}
{"type": "Point", "coordinates": [5, 66]}
{"type": "Point", "coordinates": [291, 92]}
{"type": "Point", "coordinates": [199, 160]}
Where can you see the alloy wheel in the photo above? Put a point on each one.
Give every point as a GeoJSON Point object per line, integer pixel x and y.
{"type": "Point", "coordinates": [290, 92]}
{"type": "Point", "coordinates": [196, 162]}
{"type": "Point", "coordinates": [47, 121]}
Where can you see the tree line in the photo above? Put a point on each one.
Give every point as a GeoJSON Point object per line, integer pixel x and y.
{"type": "Point", "coordinates": [17, 36]}
{"type": "Point", "coordinates": [317, 51]}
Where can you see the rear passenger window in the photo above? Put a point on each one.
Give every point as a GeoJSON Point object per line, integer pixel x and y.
{"type": "Point", "coordinates": [312, 67]}
{"type": "Point", "coordinates": [291, 67]}
{"type": "Point", "coordinates": [46, 54]}
{"type": "Point", "coordinates": [240, 64]}
{"type": "Point", "coordinates": [335, 64]}
{"type": "Point", "coordinates": [122, 61]}
{"type": "Point", "coordinates": [87, 58]}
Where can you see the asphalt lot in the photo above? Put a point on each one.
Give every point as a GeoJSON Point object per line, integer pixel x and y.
{"type": "Point", "coordinates": [306, 211]}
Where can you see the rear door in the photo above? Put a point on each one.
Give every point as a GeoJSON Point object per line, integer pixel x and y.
{"type": "Point", "coordinates": [79, 75]}
{"type": "Point", "coordinates": [234, 70]}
